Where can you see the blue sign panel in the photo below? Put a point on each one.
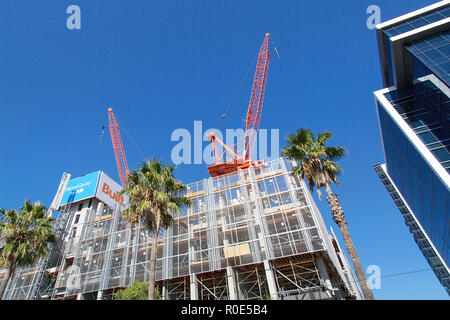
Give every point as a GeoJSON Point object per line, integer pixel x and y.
{"type": "Point", "coordinates": [81, 188]}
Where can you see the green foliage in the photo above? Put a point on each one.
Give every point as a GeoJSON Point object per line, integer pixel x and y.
{"type": "Point", "coordinates": [136, 291]}
{"type": "Point", "coordinates": [25, 235]}
{"type": "Point", "coordinates": [155, 195]}
{"type": "Point", "coordinates": [316, 160]}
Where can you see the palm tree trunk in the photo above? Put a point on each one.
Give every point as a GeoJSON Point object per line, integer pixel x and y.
{"type": "Point", "coordinates": [151, 272]}
{"type": "Point", "coordinates": [9, 274]}
{"type": "Point", "coordinates": [338, 217]}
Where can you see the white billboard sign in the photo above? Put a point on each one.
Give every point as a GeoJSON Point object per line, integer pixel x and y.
{"type": "Point", "coordinates": [108, 191]}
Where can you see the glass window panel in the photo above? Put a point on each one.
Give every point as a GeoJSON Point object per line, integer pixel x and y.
{"type": "Point", "coordinates": [441, 154]}
{"type": "Point", "coordinates": [427, 137]}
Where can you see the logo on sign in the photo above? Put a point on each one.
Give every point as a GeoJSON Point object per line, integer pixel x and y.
{"type": "Point", "coordinates": [115, 196]}
{"type": "Point", "coordinates": [78, 186]}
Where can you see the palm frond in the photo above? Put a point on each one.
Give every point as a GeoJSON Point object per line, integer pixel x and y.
{"type": "Point", "coordinates": [323, 137]}
{"type": "Point", "coordinates": [316, 160]}
{"type": "Point", "coordinates": [335, 153]}
{"type": "Point", "coordinates": [155, 195]}
{"type": "Point", "coordinates": [25, 234]}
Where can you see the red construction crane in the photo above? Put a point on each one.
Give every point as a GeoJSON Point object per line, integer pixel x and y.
{"type": "Point", "coordinates": [252, 121]}
{"type": "Point", "coordinates": [121, 160]}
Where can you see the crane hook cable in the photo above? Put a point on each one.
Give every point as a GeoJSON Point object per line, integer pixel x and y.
{"type": "Point", "coordinates": [275, 47]}
{"type": "Point", "coordinates": [101, 136]}
{"type": "Point", "coordinates": [239, 87]}
{"type": "Point", "coordinates": [132, 140]}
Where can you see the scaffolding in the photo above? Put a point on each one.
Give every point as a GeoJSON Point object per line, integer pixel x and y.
{"type": "Point", "coordinates": [251, 234]}
{"type": "Point", "coordinates": [252, 282]}
{"type": "Point", "coordinates": [213, 286]}
{"type": "Point", "coordinates": [177, 289]}
{"type": "Point", "coordinates": [299, 280]}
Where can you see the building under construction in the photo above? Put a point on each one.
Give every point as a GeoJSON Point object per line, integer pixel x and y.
{"type": "Point", "coordinates": [252, 234]}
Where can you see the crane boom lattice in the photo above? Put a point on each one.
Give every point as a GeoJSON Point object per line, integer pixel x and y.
{"type": "Point", "coordinates": [121, 160]}
{"type": "Point", "coordinates": [251, 123]}
{"type": "Point", "coordinates": [256, 99]}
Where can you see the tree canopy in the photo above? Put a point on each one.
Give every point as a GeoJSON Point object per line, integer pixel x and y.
{"type": "Point", "coordinates": [136, 291]}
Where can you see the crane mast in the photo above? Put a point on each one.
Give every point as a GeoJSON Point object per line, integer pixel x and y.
{"type": "Point", "coordinates": [121, 160]}
{"type": "Point", "coordinates": [251, 123]}
{"type": "Point", "coordinates": [256, 99]}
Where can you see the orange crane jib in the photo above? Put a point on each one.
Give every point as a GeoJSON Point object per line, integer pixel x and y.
{"type": "Point", "coordinates": [119, 153]}
{"type": "Point", "coordinates": [251, 123]}
{"type": "Point", "coordinates": [256, 99]}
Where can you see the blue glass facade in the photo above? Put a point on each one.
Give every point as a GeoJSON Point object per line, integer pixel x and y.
{"type": "Point", "coordinates": [425, 108]}
{"type": "Point", "coordinates": [418, 80]}
{"type": "Point", "coordinates": [421, 188]}
{"type": "Point", "coordinates": [420, 236]}
{"type": "Point", "coordinates": [387, 44]}
{"type": "Point", "coordinates": [432, 51]}
{"type": "Point", "coordinates": [433, 55]}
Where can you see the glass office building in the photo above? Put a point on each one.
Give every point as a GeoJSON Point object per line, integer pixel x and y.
{"type": "Point", "coordinates": [251, 234]}
{"type": "Point", "coordinates": [413, 112]}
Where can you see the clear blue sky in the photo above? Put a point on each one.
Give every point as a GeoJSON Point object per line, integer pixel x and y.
{"type": "Point", "coordinates": [163, 64]}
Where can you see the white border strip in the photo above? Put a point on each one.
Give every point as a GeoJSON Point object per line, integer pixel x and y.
{"type": "Point", "coordinates": [378, 117]}
{"type": "Point", "coordinates": [435, 80]}
{"type": "Point", "coordinates": [412, 15]}
{"type": "Point", "coordinates": [420, 30]}
{"type": "Point", "coordinates": [415, 140]}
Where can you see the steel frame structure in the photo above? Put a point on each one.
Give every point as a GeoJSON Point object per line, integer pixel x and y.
{"type": "Point", "coordinates": [250, 234]}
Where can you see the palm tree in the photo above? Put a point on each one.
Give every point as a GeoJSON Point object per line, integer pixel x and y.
{"type": "Point", "coordinates": [24, 238]}
{"type": "Point", "coordinates": [316, 164]}
{"type": "Point", "coordinates": [155, 196]}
